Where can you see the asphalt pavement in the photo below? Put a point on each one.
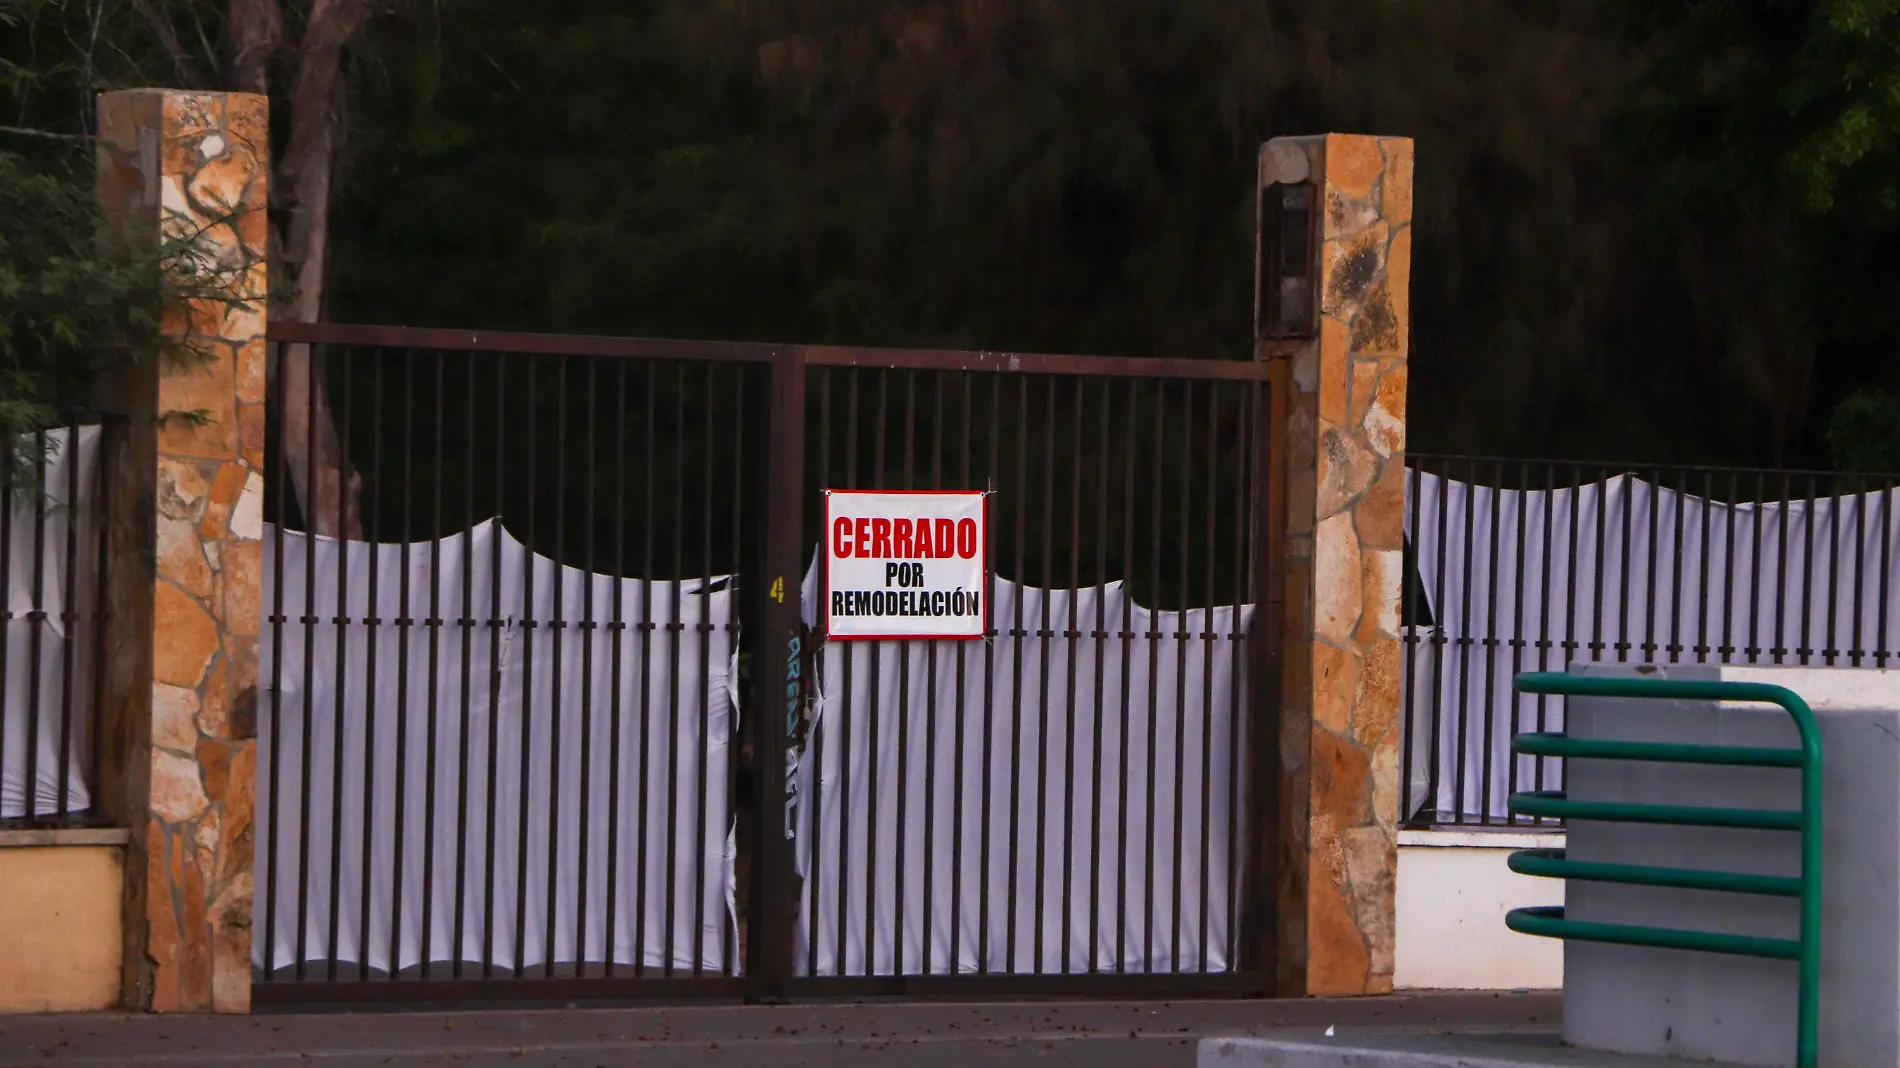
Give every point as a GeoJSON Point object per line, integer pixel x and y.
{"type": "Point", "coordinates": [1073, 1034]}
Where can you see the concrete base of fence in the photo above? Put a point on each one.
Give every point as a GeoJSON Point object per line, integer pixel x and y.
{"type": "Point", "coordinates": [59, 929]}
{"type": "Point", "coordinates": [1536, 1050]}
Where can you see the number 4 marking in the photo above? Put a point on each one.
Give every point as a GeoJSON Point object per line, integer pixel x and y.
{"type": "Point", "coordinates": [778, 590]}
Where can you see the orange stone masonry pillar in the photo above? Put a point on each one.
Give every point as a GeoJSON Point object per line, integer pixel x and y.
{"type": "Point", "coordinates": [186, 530]}
{"type": "Point", "coordinates": [1339, 394]}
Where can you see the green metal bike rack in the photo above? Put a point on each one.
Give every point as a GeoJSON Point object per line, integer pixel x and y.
{"type": "Point", "coordinates": [1550, 922]}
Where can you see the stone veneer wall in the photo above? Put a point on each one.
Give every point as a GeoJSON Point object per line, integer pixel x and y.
{"type": "Point", "coordinates": [1341, 401]}
{"type": "Point", "coordinates": [186, 504]}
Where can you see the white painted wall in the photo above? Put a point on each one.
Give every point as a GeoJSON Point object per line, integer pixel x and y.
{"type": "Point", "coordinates": [1738, 1009]}
{"type": "Point", "coordinates": [1453, 892]}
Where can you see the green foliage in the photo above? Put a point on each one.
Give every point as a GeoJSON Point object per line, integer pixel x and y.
{"type": "Point", "coordinates": [76, 297]}
{"type": "Point", "coordinates": [1863, 432]}
{"type": "Point", "coordinates": [81, 297]}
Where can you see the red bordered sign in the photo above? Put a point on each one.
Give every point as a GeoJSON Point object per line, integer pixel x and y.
{"type": "Point", "coordinates": [906, 564]}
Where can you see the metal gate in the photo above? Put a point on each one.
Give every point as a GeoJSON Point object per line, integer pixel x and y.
{"type": "Point", "coordinates": [544, 716]}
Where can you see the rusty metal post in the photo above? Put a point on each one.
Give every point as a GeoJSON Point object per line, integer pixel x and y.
{"type": "Point", "coordinates": [778, 684]}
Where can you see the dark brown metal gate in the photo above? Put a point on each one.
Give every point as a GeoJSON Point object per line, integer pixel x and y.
{"type": "Point", "coordinates": [499, 754]}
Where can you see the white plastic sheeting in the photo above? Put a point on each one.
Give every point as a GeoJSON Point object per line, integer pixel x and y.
{"type": "Point", "coordinates": [1780, 575]}
{"type": "Point", "coordinates": [1128, 770]}
{"type": "Point", "coordinates": [44, 706]}
{"type": "Point", "coordinates": [446, 724]}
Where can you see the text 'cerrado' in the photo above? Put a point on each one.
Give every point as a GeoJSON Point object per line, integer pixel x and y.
{"type": "Point", "coordinates": [906, 565]}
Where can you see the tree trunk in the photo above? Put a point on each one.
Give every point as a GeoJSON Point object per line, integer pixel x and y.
{"type": "Point", "coordinates": [320, 472]}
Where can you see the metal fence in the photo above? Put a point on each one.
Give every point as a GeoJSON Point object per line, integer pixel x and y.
{"type": "Point", "coordinates": [52, 574]}
{"type": "Point", "coordinates": [1516, 565]}
{"type": "Point", "coordinates": [518, 734]}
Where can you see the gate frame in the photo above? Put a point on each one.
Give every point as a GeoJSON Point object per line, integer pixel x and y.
{"type": "Point", "coordinates": [772, 609]}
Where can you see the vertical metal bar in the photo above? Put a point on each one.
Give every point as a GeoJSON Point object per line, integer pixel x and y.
{"type": "Point", "coordinates": [741, 464]}
{"type": "Point", "coordinates": [342, 621]}
{"type": "Point", "coordinates": [1518, 630]}
{"type": "Point", "coordinates": [37, 632]}
{"type": "Point", "coordinates": [465, 721]}
{"type": "Point", "coordinates": [1781, 565]}
{"type": "Point", "coordinates": [1017, 640]}
{"type": "Point", "coordinates": [1754, 573]}
{"type": "Point", "coordinates": [1728, 570]}
{"type": "Point", "coordinates": [989, 690]}
{"type": "Point", "coordinates": [557, 666]}
{"type": "Point", "coordinates": [1571, 623]}
{"type": "Point", "coordinates": [68, 708]}
{"type": "Point", "coordinates": [405, 626]}
{"type": "Point", "coordinates": [8, 507]}
{"type": "Point", "coordinates": [111, 432]}
{"type": "Point", "coordinates": [1408, 732]}
{"type": "Point", "coordinates": [846, 862]}
{"type": "Point", "coordinates": [273, 684]}
{"type": "Point", "coordinates": [902, 843]}
{"type": "Point", "coordinates": [311, 620]}
{"type": "Point", "coordinates": [1543, 624]}
{"type": "Point", "coordinates": [1438, 638]}
{"type": "Point", "coordinates": [930, 712]}
{"type": "Point", "coordinates": [957, 745]}
{"type": "Point", "coordinates": [1655, 520]}
{"type": "Point", "coordinates": [1675, 577]}
{"type": "Point", "coordinates": [1485, 769]}
{"type": "Point", "coordinates": [490, 950]}
{"type": "Point", "coordinates": [1154, 681]}
{"type": "Point", "coordinates": [678, 629]}
{"type": "Point", "coordinates": [875, 706]}
{"type": "Point", "coordinates": [1708, 555]}
{"type": "Point", "coordinates": [1180, 674]}
{"type": "Point", "coordinates": [1463, 756]}
{"type": "Point", "coordinates": [1074, 635]}
{"type": "Point", "coordinates": [589, 633]}
{"type": "Point", "coordinates": [617, 629]}
{"type": "Point", "coordinates": [1047, 637]}
{"type": "Point", "coordinates": [1860, 562]}
{"type": "Point", "coordinates": [528, 629]}
{"type": "Point", "coordinates": [646, 676]}
{"type": "Point", "coordinates": [1807, 572]}
{"type": "Point", "coordinates": [814, 805]}
{"type": "Point", "coordinates": [774, 879]}
{"type": "Point", "coordinates": [372, 623]}
{"type": "Point", "coordinates": [466, 698]}
{"type": "Point", "coordinates": [1122, 915]}
{"type": "Point", "coordinates": [703, 749]}
{"type": "Point", "coordinates": [1100, 678]}
{"type": "Point", "coordinates": [1886, 562]}
{"type": "Point", "coordinates": [1207, 666]}
{"type": "Point", "coordinates": [1603, 504]}
{"type": "Point", "coordinates": [1623, 579]}
{"type": "Point", "coordinates": [1833, 573]}
{"type": "Point", "coordinates": [1237, 636]}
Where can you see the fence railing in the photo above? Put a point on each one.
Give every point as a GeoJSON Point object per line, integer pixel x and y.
{"type": "Point", "coordinates": [52, 572]}
{"type": "Point", "coordinates": [1531, 565]}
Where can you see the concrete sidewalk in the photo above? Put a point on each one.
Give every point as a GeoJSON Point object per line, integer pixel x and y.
{"type": "Point", "coordinates": [1099, 1034]}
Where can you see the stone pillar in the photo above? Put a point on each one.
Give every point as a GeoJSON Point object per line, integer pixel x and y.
{"type": "Point", "coordinates": [1334, 321]}
{"type": "Point", "coordinates": [186, 524]}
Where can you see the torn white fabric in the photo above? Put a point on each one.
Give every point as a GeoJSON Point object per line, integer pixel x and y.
{"type": "Point", "coordinates": [1029, 804]}
{"type": "Point", "coordinates": [1623, 570]}
{"type": "Point", "coordinates": [393, 820]}
{"type": "Point", "coordinates": [49, 570]}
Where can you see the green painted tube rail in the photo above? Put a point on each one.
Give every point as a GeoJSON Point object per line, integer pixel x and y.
{"type": "Point", "coordinates": [1550, 922]}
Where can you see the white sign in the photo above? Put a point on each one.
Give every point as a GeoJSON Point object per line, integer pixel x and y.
{"type": "Point", "coordinates": [906, 564]}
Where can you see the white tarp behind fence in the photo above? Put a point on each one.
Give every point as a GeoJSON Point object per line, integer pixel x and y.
{"type": "Point", "coordinates": [1120, 886]}
{"type": "Point", "coordinates": [411, 735]}
{"type": "Point", "coordinates": [1742, 584]}
{"type": "Point", "coordinates": [41, 711]}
